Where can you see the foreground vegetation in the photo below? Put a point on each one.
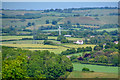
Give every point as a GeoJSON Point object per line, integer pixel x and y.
{"type": "Point", "coordinates": [18, 63]}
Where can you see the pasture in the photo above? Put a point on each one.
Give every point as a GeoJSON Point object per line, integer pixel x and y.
{"type": "Point", "coordinates": [28, 44]}
{"type": "Point", "coordinates": [14, 37]}
{"type": "Point", "coordinates": [77, 54]}
{"type": "Point", "coordinates": [110, 29]}
{"type": "Point", "coordinates": [79, 74]}
{"type": "Point", "coordinates": [69, 38]}
{"type": "Point", "coordinates": [77, 45]}
{"type": "Point", "coordinates": [51, 48]}
{"type": "Point", "coordinates": [100, 71]}
{"type": "Point", "coordinates": [96, 68]}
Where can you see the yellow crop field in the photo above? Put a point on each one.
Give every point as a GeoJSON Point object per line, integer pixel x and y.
{"type": "Point", "coordinates": [69, 38]}
{"type": "Point", "coordinates": [74, 39]}
{"type": "Point", "coordinates": [14, 37]}
{"type": "Point", "coordinates": [51, 48]}
{"type": "Point", "coordinates": [30, 45]}
{"type": "Point", "coordinates": [51, 37]}
{"type": "Point", "coordinates": [58, 50]}
{"type": "Point", "coordinates": [77, 45]}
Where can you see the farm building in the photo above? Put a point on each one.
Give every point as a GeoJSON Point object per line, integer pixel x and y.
{"type": "Point", "coordinates": [92, 36]}
{"type": "Point", "coordinates": [116, 42]}
{"type": "Point", "coordinates": [67, 35]}
{"type": "Point", "coordinates": [79, 42]}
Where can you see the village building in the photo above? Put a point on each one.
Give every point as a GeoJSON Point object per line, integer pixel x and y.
{"type": "Point", "coordinates": [67, 35]}
{"type": "Point", "coordinates": [79, 42]}
{"type": "Point", "coordinates": [104, 44]}
{"type": "Point", "coordinates": [92, 36]}
{"type": "Point", "coordinates": [116, 42]}
{"type": "Point", "coordinates": [68, 57]}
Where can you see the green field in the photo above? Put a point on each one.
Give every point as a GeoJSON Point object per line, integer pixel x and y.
{"type": "Point", "coordinates": [14, 37]}
{"type": "Point", "coordinates": [51, 48]}
{"type": "Point", "coordinates": [77, 54]}
{"type": "Point", "coordinates": [100, 71]}
{"type": "Point", "coordinates": [69, 38]}
{"type": "Point", "coordinates": [28, 44]}
{"type": "Point", "coordinates": [54, 30]}
{"type": "Point", "coordinates": [79, 74]}
{"type": "Point", "coordinates": [96, 68]}
{"type": "Point", "coordinates": [110, 29]}
{"type": "Point", "coordinates": [77, 45]}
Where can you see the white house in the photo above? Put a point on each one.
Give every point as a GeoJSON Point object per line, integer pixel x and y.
{"type": "Point", "coordinates": [116, 42]}
{"type": "Point", "coordinates": [67, 35]}
{"type": "Point", "coordinates": [92, 36]}
{"type": "Point", "coordinates": [79, 42]}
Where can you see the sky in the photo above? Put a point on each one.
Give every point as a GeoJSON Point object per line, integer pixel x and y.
{"type": "Point", "coordinates": [60, 0]}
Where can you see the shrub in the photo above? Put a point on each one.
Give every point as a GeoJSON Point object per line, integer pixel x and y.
{"type": "Point", "coordinates": [85, 69]}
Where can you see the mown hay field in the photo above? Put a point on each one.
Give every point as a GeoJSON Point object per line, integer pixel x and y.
{"type": "Point", "coordinates": [110, 29]}
{"type": "Point", "coordinates": [51, 48]}
{"type": "Point", "coordinates": [95, 75]}
{"type": "Point", "coordinates": [14, 37]}
{"type": "Point", "coordinates": [77, 45]}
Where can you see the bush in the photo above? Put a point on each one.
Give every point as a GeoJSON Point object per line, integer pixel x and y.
{"type": "Point", "coordinates": [85, 69]}
{"type": "Point", "coordinates": [40, 37]}
{"type": "Point", "coordinates": [48, 42]}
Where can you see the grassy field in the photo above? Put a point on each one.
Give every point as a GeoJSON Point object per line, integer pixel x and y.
{"type": "Point", "coordinates": [77, 54]}
{"type": "Point", "coordinates": [14, 37]}
{"type": "Point", "coordinates": [110, 29]}
{"type": "Point", "coordinates": [79, 74]}
{"type": "Point", "coordinates": [100, 71]}
{"type": "Point", "coordinates": [28, 44]}
{"type": "Point", "coordinates": [49, 37]}
{"type": "Point", "coordinates": [53, 30]}
{"type": "Point", "coordinates": [69, 38]}
{"type": "Point", "coordinates": [76, 45]}
{"type": "Point", "coordinates": [23, 42]}
{"type": "Point", "coordinates": [96, 68]}
{"type": "Point", "coordinates": [52, 48]}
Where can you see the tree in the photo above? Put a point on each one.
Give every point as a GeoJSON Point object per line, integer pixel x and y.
{"type": "Point", "coordinates": [34, 64]}
{"type": "Point", "coordinates": [29, 24]}
{"type": "Point", "coordinates": [48, 42]}
{"type": "Point", "coordinates": [40, 37]}
{"type": "Point", "coordinates": [97, 48]}
{"type": "Point", "coordinates": [68, 22]}
{"type": "Point", "coordinates": [64, 41]}
{"type": "Point", "coordinates": [73, 57]}
{"type": "Point", "coordinates": [33, 23]}
{"type": "Point", "coordinates": [109, 45]}
{"type": "Point", "coordinates": [60, 37]}
{"type": "Point", "coordinates": [47, 21]}
{"type": "Point", "coordinates": [85, 69]}
{"type": "Point", "coordinates": [54, 22]}
{"type": "Point", "coordinates": [15, 69]}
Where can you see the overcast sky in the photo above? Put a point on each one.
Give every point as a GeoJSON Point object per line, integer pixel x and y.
{"type": "Point", "coordinates": [60, 0]}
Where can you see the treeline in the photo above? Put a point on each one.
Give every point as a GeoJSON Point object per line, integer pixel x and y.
{"type": "Point", "coordinates": [69, 10]}
{"type": "Point", "coordinates": [25, 16]}
{"type": "Point", "coordinates": [18, 63]}
{"type": "Point", "coordinates": [73, 50]}
{"type": "Point", "coordinates": [107, 57]}
{"type": "Point", "coordinates": [86, 33]}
